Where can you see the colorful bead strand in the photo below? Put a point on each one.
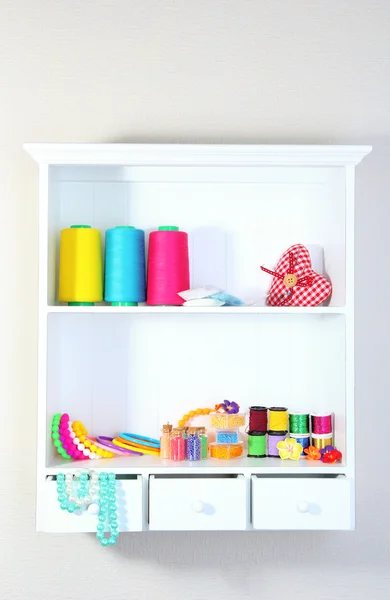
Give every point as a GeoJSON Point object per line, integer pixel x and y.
{"type": "Point", "coordinates": [108, 510]}
{"type": "Point", "coordinates": [194, 413]}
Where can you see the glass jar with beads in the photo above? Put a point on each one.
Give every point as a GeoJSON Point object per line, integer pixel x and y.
{"type": "Point", "coordinates": [178, 444]}
{"type": "Point", "coordinates": [165, 441]}
{"type": "Point", "coordinates": [204, 442]}
{"type": "Point", "coordinates": [194, 444]}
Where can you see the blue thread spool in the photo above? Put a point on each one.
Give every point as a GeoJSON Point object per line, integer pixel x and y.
{"type": "Point", "coordinates": [124, 276]}
{"type": "Point", "coordinates": [303, 439]}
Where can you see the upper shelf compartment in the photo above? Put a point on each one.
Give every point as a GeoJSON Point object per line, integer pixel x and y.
{"type": "Point", "coordinates": [237, 219]}
{"type": "Point", "coordinates": [241, 205]}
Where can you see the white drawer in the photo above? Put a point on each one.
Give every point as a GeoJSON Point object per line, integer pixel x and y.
{"type": "Point", "coordinates": [51, 518]}
{"type": "Point", "coordinates": [302, 503]}
{"type": "Point", "coordinates": [197, 503]}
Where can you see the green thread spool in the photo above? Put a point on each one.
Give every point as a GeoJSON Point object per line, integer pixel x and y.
{"type": "Point", "coordinates": [257, 444]}
{"type": "Point", "coordinates": [299, 423]}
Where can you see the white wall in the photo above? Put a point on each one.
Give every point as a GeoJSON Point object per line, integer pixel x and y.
{"type": "Point", "coordinates": [193, 70]}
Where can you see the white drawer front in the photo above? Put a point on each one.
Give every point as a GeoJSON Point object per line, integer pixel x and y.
{"type": "Point", "coordinates": [299, 503]}
{"type": "Point", "coordinates": [192, 503]}
{"type": "Point", "coordinates": [51, 518]}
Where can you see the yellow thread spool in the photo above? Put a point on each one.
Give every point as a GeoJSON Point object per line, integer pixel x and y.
{"type": "Point", "coordinates": [321, 441]}
{"type": "Point", "coordinates": [81, 272]}
{"type": "Point", "coordinates": [278, 419]}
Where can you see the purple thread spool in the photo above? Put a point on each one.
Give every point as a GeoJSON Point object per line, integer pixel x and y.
{"type": "Point", "coordinates": [274, 437]}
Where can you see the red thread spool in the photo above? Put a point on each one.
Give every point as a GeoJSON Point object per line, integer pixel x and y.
{"type": "Point", "coordinates": [321, 424]}
{"type": "Point", "coordinates": [258, 418]}
{"type": "Point", "coordinates": [168, 266]}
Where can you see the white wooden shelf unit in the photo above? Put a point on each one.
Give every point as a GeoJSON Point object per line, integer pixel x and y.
{"type": "Point", "coordinates": [133, 368]}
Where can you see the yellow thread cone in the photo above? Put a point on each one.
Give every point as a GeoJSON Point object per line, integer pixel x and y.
{"type": "Point", "coordinates": [81, 273]}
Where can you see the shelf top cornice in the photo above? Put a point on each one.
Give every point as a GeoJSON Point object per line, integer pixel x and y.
{"type": "Point", "coordinates": [196, 155]}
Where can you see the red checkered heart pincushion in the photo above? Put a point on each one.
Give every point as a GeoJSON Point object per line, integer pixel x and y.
{"type": "Point", "coordinates": [295, 283]}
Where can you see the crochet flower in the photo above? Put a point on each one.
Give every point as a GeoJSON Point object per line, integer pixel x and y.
{"type": "Point", "coordinates": [332, 456]}
{"type": "Point", "coordinates": [312, 453]}
{"type": "Point", "coordinates": [228, 407]}
{"type": "Point", "coordinates": [289, 448]}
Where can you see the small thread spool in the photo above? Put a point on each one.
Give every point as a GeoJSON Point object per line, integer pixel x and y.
{"type": "Point", "coordinates": [168, 266]}
{"type": "Point", "coordinates": [321, 424]}
{"type": "Point", "coordinates": [278, 418]}
{"type": "Point", "coordinates": [299, 422]}
{"type": "Point", "coordinates": [80, 273]}
{"type": "Point", "coordinates": [125, 266]}
{"type": "Point", "coordinates": [257, 444]}
{"type": "Point", "coordinates": [303, 439]}
{"type": "Point", "coordinates": [274, 437]}
{"type": "Point", "coordinates": [258, 417]}
{"type": "Point", "coordinates": [321, 441]}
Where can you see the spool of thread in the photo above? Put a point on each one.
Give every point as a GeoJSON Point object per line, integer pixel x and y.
{"type": "Point", "coordinates": [299, 422]}
{"type": "Point", "coordinates": [124, 276]}
{"type": "Point", "coordinates": [258, 417]}
{"type": "Point", "coordinates": [321, 441]}
{"type": "Point", "coordinates": [303, 439]}
{"type": "Point", "coordinates": [273, 438]}
{"type": "Point", "coordinates": [81, 274]}
{"type": "Point", "coordinates": [168, 266]}
{"type": "Point", "coordinates": [257, 444]}
{"type": "Point", "coordinates": [278, 419]}
{"type": "Point", "coordinates": [321, 424]}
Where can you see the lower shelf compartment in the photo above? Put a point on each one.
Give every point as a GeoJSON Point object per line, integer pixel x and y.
{"type": "Point", "coordinates": [52, 519]}
{"type": "Point", "coordinates": [302, 503]}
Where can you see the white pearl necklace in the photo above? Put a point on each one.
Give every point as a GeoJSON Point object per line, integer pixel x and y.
{"type": "Point", "coordinates": [93, 489]}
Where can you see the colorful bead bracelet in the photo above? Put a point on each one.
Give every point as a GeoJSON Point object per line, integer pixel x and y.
{"type": "Point", "coordinates": [105, 442]}
{"type": "Point", "coordinates": [55, 434]}
{"type": "Point", "coordinates": [85, 445]}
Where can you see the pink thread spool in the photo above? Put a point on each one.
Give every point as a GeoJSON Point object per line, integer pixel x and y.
{"type": "Point", "coordinates": [321, 423]}
{"type": "Point", "coordinates": [168, 266]}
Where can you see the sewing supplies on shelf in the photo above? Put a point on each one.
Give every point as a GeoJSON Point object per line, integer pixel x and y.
{"type": "Point", "coordinates": [124, 272]}
{"type": "Point", "coordinates": [168, 266]}
{"type": "Point", "coordinates": [194, 444]}
{"type": "Point", "coordinates": [178, 444]}
{"type": "Point", "coordinates": [321, 423]}
{"type": "Point", "coordinates": [227, 421]}
{"type": "Point", "coordinates": [226, 451]}
{"type": "Point", "coordinates": [257, 444]}
{"type": "Point", "coordinates": [97, 494]}
{"type": "Point", "coordinates": [277, 419]}
{"type": "Point", "coordinates": [289, 449]}
{"type": "Point", "coordinates": [294, 281]}
{"type": "Point", "coordinates": [137, 443]}
{"type": "Point", "coordinates": [226, 436]}
{"type": "Point", "coordinates": [321, 441]}
{"type": "Point", "coordinates": [301, 438]}
{"type": "Point", "coordinates": [258, 418]}
{"type": "Point", "coordinates": [80, 270]}
{"type": "Point", "coordinates": [299, 422]}
{"type": "Point", "coordinates": [273, 438]}
{"type": "Point", "coordinates": [194, 413]}
{"type": "Point", "coordinates": [165, 441]}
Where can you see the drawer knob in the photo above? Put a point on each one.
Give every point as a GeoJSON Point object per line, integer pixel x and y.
{"type": "Point", "coordinates": [198, 506]}
{"type": "Point", "coordinates": [303, 506]}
